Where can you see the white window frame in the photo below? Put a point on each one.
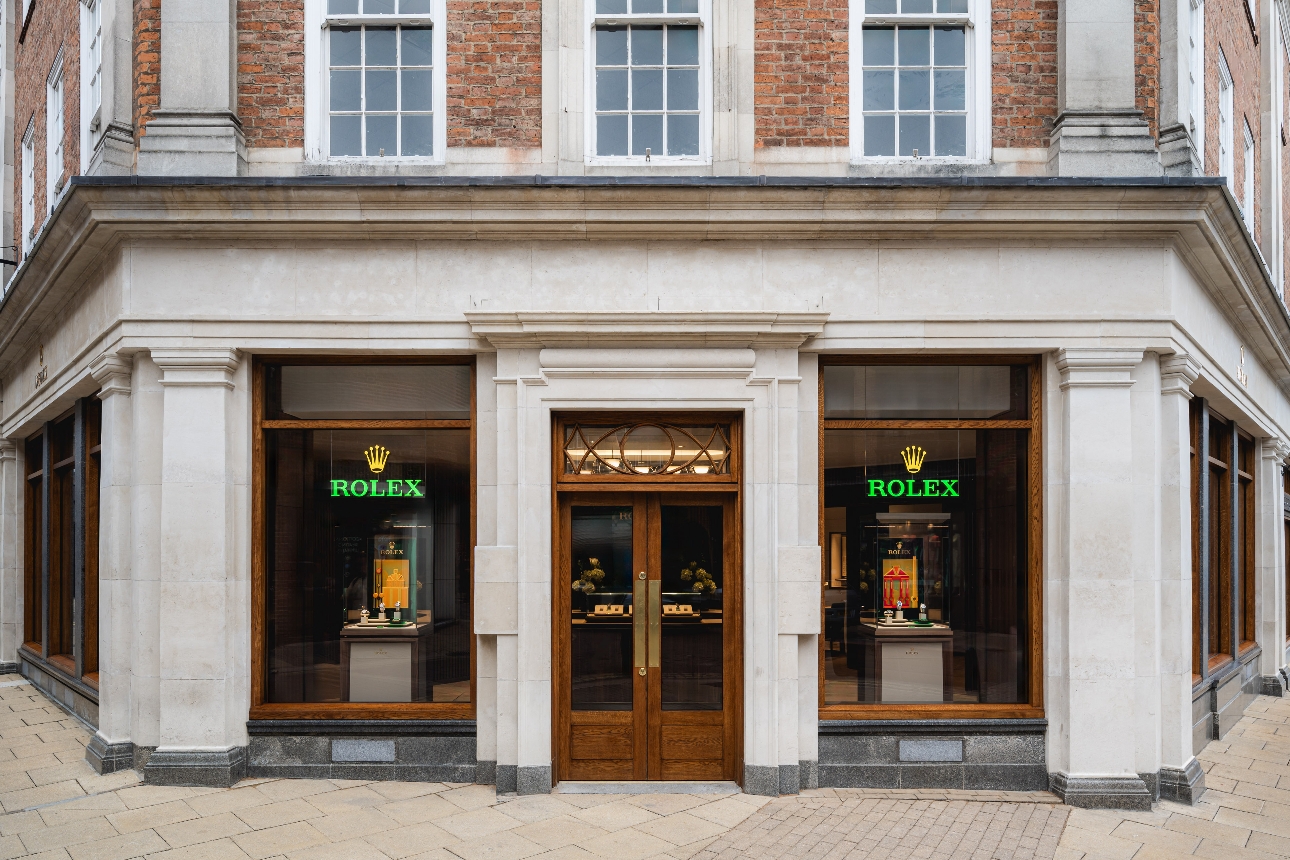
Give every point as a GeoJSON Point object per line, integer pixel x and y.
{"type": "Point", "coordinates": [28, 168]}
{"type": "Point", "coordinates": [91, 77]}
{"type": "Point", "coordinates": [318, 97]}
{"type": "Point", "coordinates": [1196, 74]}
{"type": "Point", "coordinates": [979, 112]}
{"type": "Point", "coordinates": [1247, 168]}
{"type": "Point", "coordinates": [55, 133]}
{"type": "Point", "coordinates": [1226, 124]}
{"type": "Point", "coordinates": [704, 22]}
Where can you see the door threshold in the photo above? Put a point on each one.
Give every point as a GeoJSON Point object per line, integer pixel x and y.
{"type": "Point", "coordinates": [646, 787]}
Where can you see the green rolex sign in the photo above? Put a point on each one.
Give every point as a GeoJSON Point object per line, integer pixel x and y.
{"type": "Point", "coordinates": [914, 488]}
{"type": "Point", "coordinates": [362, 488]}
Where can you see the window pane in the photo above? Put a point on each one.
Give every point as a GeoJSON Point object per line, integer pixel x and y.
{"type": "Point", "coordinates": [370, 391]}
{"type": "Point", "coordinates": [879, 135]}
{"type": "Point", "coordinates": [381, 135]}
{"type": "Point", "coordinates": [880, 7]}
{"type": "Point", "coordinates": [682, 46]}
{"type": "Point", "coordinates": [647, 133]}
{"type": "Point", "coordinates": [683, 6]}
{"type": "Point", "coordinates": [414, 7]}
{"type": "Point", "coordinates": [418, 46]}
{"type": "Point", "coordinates": [647, 89]}
{"type": "Point", "coordinates": [346, 47]}
{"type": "Point", "coordinates": [931, 519]}
{"type": "Point", "coordinates": [611, 46]}
{"type": "Point", "coordinates": [611, 7]}
{"type": "Point", "coordinates": [416, 89]}
{"type": "Point", "coordinates": [611, 89]}
{"type": "Point", "coordinates": [916, 134]}
{"type": "Point", "coordinates": [925, 391]}
{"type": "Point", "coordinates": [418, 134]}
{"type": "Point", "coordinates": [879, 46]}
{"type": "Point", "coordinates": [879, 89]}
{"type": "Point", "coordinates": [960, 6]}
{"type": "Point", "coordinates": [646, 7]}
{"type": "Point", "coordinates": [950, 92]}
{"type": "Point", "coordinates": [346, 536]}
{"type": "Point", "coordinates": [380, 46]}
{"type": "Point", "coordinates": [378, 7]}
{"type": "Point", "coordinates": [915, 46]}
{"type": "Point", "coordinates": [691, 544]}
{"type": "Point", "coordinates": [682, 89]}
{"type": "Point", "coordinates": [342, 7]}
{"type": "Point", "coordinates": [346, 135]}
{"type": "Point", "coordinates": [950, 46]}
{"type": "Point", "coordinates": [951, 134]}
{"type": "Point", "coordinates": [600, 543]}
{"type": "Point", "coordinates": [915, 7]}
{"type": "Point", "coordinates": [346, 90]}
{"type": "Point", "coordinates": [381, 90]}
{"type": "Point", "coordinates": [915, 89]}
{"type": "Point", "coordinates": [647, 46]}
{"type": "Point", "coordinates": [611, 135]}
{"type": "Point", "coordinates": [683, 134]}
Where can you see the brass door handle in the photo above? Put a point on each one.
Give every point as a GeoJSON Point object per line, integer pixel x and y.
{"type": "Point", "coordinates": [639, 610]}
{"type": "Point", "coordinates": [655, 622]}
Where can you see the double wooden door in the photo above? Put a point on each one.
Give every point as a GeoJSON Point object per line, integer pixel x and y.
{"type": "Point", "coordinates": [647, 615]}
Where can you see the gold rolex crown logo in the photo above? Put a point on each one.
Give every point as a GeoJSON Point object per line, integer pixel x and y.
{"type": "Point", "coordinates": [913, 457]}
{"type": "Point", "coordinates": [376, 457]}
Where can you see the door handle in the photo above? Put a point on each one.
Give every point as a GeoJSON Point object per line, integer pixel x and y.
{"type": "Point", "coordinates": [640, 611]}
{"type": "Point", "coordinates": [655, 622]}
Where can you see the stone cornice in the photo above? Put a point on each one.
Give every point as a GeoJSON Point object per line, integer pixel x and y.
{"type": "Point", "coordinates": [648, 329]}
{"type": "Point", "coordinates": [1198, 219]}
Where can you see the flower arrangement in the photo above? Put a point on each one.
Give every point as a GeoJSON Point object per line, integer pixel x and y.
{"type": "Point", "coordinates": [589, 577]}
{"type": "Point", "coordinates": [703, 581]}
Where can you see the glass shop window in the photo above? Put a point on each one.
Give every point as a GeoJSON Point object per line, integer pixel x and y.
{"type": "Point", "coordinates": [927, 577]}
{"type": "Point", "coordinates": [367, 533]}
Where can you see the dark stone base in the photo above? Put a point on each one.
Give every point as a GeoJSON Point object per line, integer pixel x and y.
{"type": "Point", "coordinates": [1273, 686]}
{"type": "Point", "coordinates": [486, 773]}
{"type": "Point", "coordinates": [411, 750]}
{"type": "Point", "coordinates": [107, 757]}
{"type": "Point", "coordinates": [10, 668]}
{"type": "Point", "coordinates": [213, 768]}
{"type": "Point", "coordinates": [75, 698]}
{"type": "Point", "coordinates": [141, 756]}
{"type": "Point", "coordinates": [810, 771]}
{"type": "Point", "coordinates": [790, 779]}
{"type": "Point", "coordinates": [1181, 785]}
{"type": "Point", "coordinates": [1128, 792]}
{"type": "Point", "coordinates": [533, 779]}
{"type": "Point", "coordinates": [507, 776]}
{"type": "Point", "coordinates": [761, 780]}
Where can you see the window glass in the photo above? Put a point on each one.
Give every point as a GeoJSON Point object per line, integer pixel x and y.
{"type": "Point", "coordinates": [647, 86]}
{"type": "Point", "coordinates": [928, 524]}
{"type": "Point", "coordinates": [925, 391]}
{"type": "Point", "coordinates": [914, 85]}
{"type": "Point", "coordinates": [380, 96]}
{"type": "Point", "coordinates": [368, 391]}
{"type": "Point", "coordinates": [368, 565]}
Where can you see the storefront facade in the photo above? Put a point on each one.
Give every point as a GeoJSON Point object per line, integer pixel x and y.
{"type": "Point", "coordinates": [541, 481]}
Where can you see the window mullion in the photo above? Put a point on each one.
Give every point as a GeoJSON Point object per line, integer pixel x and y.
{"type": "Point", "coordinates": [45, 485]}
{"type": "Point", "coordinates": [1234, 556]}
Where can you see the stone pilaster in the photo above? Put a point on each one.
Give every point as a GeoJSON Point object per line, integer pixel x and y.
{"type": "Point", "coordinates": [11, 554]}
{"type": "Point", "coordinates": [204, 594]}
{"type": "Point", "coordinates": [1270, 571]}
{"type": "Point", "coordinates": [1179, 153]}
{"type": "Point", "coordinates": [1099, 131]}
{"type": "Point", "coordinates": [1091, 588]}
{"type": "Point", "coordinates": [111, 749]}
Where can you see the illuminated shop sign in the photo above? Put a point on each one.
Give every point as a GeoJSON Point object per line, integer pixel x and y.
{"type": "Point", "coordinates": [377, 456]}
{"type": "Point", "coordinates": [913, 488]}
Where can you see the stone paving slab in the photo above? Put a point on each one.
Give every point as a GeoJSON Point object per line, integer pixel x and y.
{"type": "Point", "coordinates": [53, 805]}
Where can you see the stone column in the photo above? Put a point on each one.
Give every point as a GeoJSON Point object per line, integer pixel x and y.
{"type": "Point", "coordinates": [111, 749]}
{"type": "Point", "coordinates": [1179, 155]}
{"type": "Point", "coordinates": [204, 600]}
{"type": "Point", "coordinates": [1270, 573]}
{"type": "Point", "coordinates": [1091, 590]}
{"type": "Point", "coordinates": [147, 412]}
{"type": "Point", "coordinates": [1099, 131]}
{"type": "Point", "coordinates": [11, 555]}
{"type": "Point", "coordinates": [195, 130]}
{"type": "Point", "coordinates": [1180, 776]}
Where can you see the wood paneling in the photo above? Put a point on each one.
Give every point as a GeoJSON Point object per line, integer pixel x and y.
{"type": "Point", "coordinates": [591, 741]}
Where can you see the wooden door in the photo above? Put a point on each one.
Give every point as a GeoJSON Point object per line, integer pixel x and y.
{"type": "Point", "coordinates": [648, 636]}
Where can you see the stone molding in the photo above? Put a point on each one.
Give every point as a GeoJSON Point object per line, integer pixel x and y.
{"type": "Point", "coordinates": [1276, 449]}
{"type": "Point", "coordinates": [8, 449]}
{"type": "Point", "coordinates": [193, 367]}
{"type": "Point", "coordinates": [732, 332]}
{"type": "Point", "coordinates": [1181, 785]}
{"type": "Point", "coordinates": [219, 768]}
{"type": "Point", "coordinates": [1177, 374]}
{"type": "Point", "coordinates": [1109, 792]}
{"type": "Point", "coordinates": [108, 757]}
{"type": "Point", "coordinates": [113, 372]}
{"type": "Point", "coordinates": [1097, 367]}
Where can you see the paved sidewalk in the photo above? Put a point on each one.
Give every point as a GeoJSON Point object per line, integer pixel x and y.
{"type": "Point", "coordinates": [56, 808]}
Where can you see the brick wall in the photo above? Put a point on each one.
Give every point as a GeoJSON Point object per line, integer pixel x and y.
{"type": "Point", "coordinates": [1227, 29]}
{"type": "Point", "coordinates": [1023, 68]}
{"type": "Point", "coordinates": [494, 73]}
{"type": "Point", "coordinates": [147, 62]}
{"type": "Point", "coordinates": [1146, 61]}
{"type": "Point", "coordinates": [54, 26]}
{"type": "Point", "coordinates": [270, 71]}
{"type": "Point", "coordinates": [800, 73]}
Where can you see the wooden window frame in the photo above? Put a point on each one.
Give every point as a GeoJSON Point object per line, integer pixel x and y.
{"type": "Point", "coordinates": [1224, 529]}
{"type": "Point", "coordinates": [260, 709]}
{"type": "Point", "coordinates": [1034, 709]}
{"type": "Point", "coordinates": [76, 666]}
